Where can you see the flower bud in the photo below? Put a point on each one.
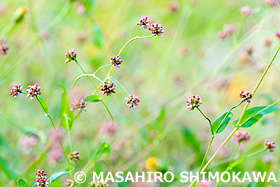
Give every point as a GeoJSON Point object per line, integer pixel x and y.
{"type": "Point", "coordinates": [19, 14]}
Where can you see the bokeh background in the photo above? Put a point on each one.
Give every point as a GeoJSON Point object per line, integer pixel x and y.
{"type": "Point", "coordinates": [163, 72]}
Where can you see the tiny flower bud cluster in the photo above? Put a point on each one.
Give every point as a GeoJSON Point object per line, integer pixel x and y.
{"type": "Point", "coordinates": [108, 88]}
{"type": "Point", "coordinates": [116, 61]}
{"type": "Point", "coordinates": [75, 156]}
{"type": "Point", "coordinates": [193, 102]}
{"type": "Point", "coordinates": [246, 96]}
{"type": "Point", "coordinates": [98, 184]}
{"type": "Point", "coordinates": [69, 183]}
{"type": "Point", "coordinates": [269, 146]}
{"type": "Point", "coordinates": [144, 22]}
{"type": "Point", "coordinates": [246, 11]}
{"type": "Point", "coordinates": [33, 90]}
{"type": "Point", "coordinates": [16, 90]}
{"type": "Point", "coordinates": [228, 30]}
{"type": "Point", "coordinates": [3, 49]}
{"type": "Point", "coordinates": [132, 101]}
{"type": "Point", "coordinates": [241, 136]}
{"type": "Point", "coordinates": [70, 55]}
{"type": "Point", "coordinates": [41, 178]}
{"type": "Point", "coordinates": [78, 105]}
{"type": "Point", "coordinates": [156, 29]}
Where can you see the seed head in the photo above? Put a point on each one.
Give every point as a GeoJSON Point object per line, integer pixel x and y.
{"type": "Point", "coordinates": [33, 90]}
{"type": "Point", "coordinates": [16, 90]}
{"type": "Point", "coordinates": [75, 156]}
{"type": "Point", "coordinates": [144, 22]}
{"type": "Point", "coordinates": [116, 61]}
{"type": "Point", "coordinates": [70, 55]}
{"type": "Point", "coordinates": [246, 96]}
{"type": "Point", "coordinates": [269, 146]}
{"type": "Point", "coordinates": [3, 49]}
{"type": "Point", "coordinates": [132, 101]}
{"type": "Point", "coordinates": [193, 102]}
{"type": "Point", "coordinates": [156, 29]}
{"type": "Point", "coordinates": [108, 88]}
{"type": "Point", "coordinates": [41, 178]}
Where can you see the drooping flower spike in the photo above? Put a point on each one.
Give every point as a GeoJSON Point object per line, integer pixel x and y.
{"type": "Point", "coordinates": [245, 96]}
{"type": "Point", "coordinates": [41, 178]}
{"type": "Point", "coordinates": [78, 105]}
{"type": "Point", "coordinates": [116, 61]}
{"type": "Point", "coordinates": [156, 29]}
{"type": "Point", "coordinates": [16, 90]}
{"type": "Point", "coordinates": [3, 49]}
{"type": "Point", "coordinates": [70, 55]}
{"type": "Point", "coordinates": [108, 88]}
{"type": "Point", "coordinates": [144, 22]}
{"type": "Point", "coordinates": [75, 156]}
{"type": "Point", "coordinates": [241, 136]}
{"type": "Point", "coordinates": [98, 184]}
{"type": "Point", "coordinates": [269, 145]}
{"type": "Point", "coordinates": [132, 101]}
{"type": "Point", "coordinates": [193, 102]}
{"type": "Point", "coordinates": [33, 90]}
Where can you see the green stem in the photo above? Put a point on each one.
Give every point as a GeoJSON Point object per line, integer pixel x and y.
{"type": "Point", "coordinates": [206, 154]}
{"type": "Point", "coordinates": [210, 123]}
{"type": "Point", "coordinates": [68, 133]}
{"type": "Point", "coordinates": [8, 28]}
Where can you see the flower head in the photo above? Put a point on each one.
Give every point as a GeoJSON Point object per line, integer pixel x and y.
{"type": "Point", "coordinates": [132, 101]}
{"type": "Point", "coordinates": [98, 184]}
{"type": "Point", "coordinates": [271, 2]}
{"type": "Point", "coordinates": [116, 61]}
{"type": "Point", "coordinates": [108, 88]}
{"type": "Point", "coordinates": [70, 55]}
{"type": "Point", "coordinates": [75, 156]}
{"type": "Point", "coordinates": [16, 90]}
{"type": "Point", "coordinates": [241, 136]}
{"type": "Point", "coordinates": [269, 146]}
{"type": "Point", "coordinates": [266, 42]}
{"type": "Point", "coordinates": [54, 155]}
{"type": "Point", "coordinates": [277, 34]}
{"type": "Point", "coordinates": [246, 96]}
{"type": "Point", "coordinates": [41, 178]}
{"type": "Point", "coordinates": [156, 29]}
{"type": "Point", "coordinates": [144, 22]}
{"type": "Point", "coordinates": [227, 31]}
{"type": "Point", "coordinates": [78, 105]}
{"type": "Point", "coordinates": [69, 183]}
{"type": "Point", "coordinates": [33, 90]}
{"type": "Point", "coordinates": [3, 49]}
{"type": "Point", "coordinates": [246, 11]}
{"type": "Point", "coordinates": [193, 102]}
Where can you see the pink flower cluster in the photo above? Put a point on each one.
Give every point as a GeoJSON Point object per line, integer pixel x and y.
{"type": "Point", "coordinates": [3, 49]}
{"type": "Point", "coordinates": [98, 184]}
{"type": "Point", "coordinates": [108, 88]}
{"type": "Point", "coordinates": [246, 96]}
{"type": "Point", "coordinates": [70, 55]}
{"type": "Point", "coordinates": [271, 2]}
{"type": "Point", "coordinates": [41, 178]}
{"type": "Point", "coordinates": [75, 156]}
{"type": "Point", "coordinates": [132, 101]}
{"type": "Point", "coordinates": [193, 102]}
{"type": "Point", "coordinates": [33, 90]}
{"type": "Point", "coordinates": [227, 31]}
{"type": "Point", "coordinates": [241, 136]}
{"type": "Point", "coordinates": [16, 90]}
{"type": "Point", "coordinates": [269, 146]}
{"type": "Point", "coordinates": [69, 183]}
{"type": "Point", "coordinates": [246, 11]}
{"type": "Point", "coordinates": [144, 22]}
{"type": "Point", "coordinates": [78, 105]}
{"type": "Point", "coordinates": [155, 28]}
{"type": "Point", "coordinates": [116, 61]}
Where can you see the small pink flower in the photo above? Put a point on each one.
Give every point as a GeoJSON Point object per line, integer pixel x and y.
{"type": "Point", "coordinates": [193, 102]}
{"type": "Point", "coordinates": [54, 155]}
{"type": "Point", "coordinates": [228, 30]}
{"type": "Point", "coordinates": [81, 9]}
{"type": "Point", "coordinates": [266, 42]}
{"type": "Point", "coordinates": [246, 11]}
{"type": "Point", "coordinates": [156, 29]}
{"type": "Point", "coordinates": [269, 146]}
{"type": "Point", "coordinates": [98, 184]}
{"type": "Point", "coordinates": [16, 90]}
{"type": "Point", "coordinates": [70, 55]}
{"type": "Point", "coordinates": [69, 183]}
{"type": "Point", "coordinates": [28, 141]}
{"type": "Point", "coordinates": [108, 88]}
{"type": "Point", "coordinates": [3, 49]}
{"type": "Point", "coordinates": [116, 61]}
{"type": "Point", "coordinates": [78, 105]}
{"type": "Point", "coordinates": [271, 2]}
{"type": "Point", "coordinates": [241, 136]}
{"type": "Point", "coordinates": [132, 101]}
{"type": "Point", "coordinates": [33, 90]}
{"type": "Point", "coordinates": [41, 178]}
{"type": "Point", "coordinates": [144, 22]}
{"type": "Point", "coordinates": [246, 96]}
{"type": "Point", "coordinates": [277, 34]}
{"type": "Point", "coordinates": [75, 156]}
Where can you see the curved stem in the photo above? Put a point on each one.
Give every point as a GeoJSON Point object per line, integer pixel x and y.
{"type": "Point", "coordinates": [210, 123]}
{"type": "Point", "coordinates": [78, 78]}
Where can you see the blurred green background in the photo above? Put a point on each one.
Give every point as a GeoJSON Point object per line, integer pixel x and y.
{"type": "Point", "coordinates": [162, 71]}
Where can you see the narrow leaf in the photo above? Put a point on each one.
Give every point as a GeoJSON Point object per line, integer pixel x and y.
{"type": "Point", "coordinates": [60, 174]}
{"type": "Point", "coordinates": [66, 115]}
{"type": "Point", "coordinates": [239, 161]}
{"type": "Point", "coordinates": [7, 171]}
{"type": "Point", "coordinates": [221, 123]}
{"type": "Point", "coordinates": [97, 38]}
{"type": "Point", "coordinates": [21, 183]}
{"type": "Point", "coordinates": [115, 82]}
{"type": "Point", "coordinates": [43, 104]}
{"type": "Point", "coordinates": [92, 98]}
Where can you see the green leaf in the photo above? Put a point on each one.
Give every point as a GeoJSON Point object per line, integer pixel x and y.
{"type": "Point", "coordinates": [7, 171]}
{"type": "Point", "coordinates": [239, 161]}
{"type": "Point", "coordinates": [254, 114]}
{"type": "Point", "coordinates": [60, 174]}
{"type": "Point", "coordinates": [97, 38]}
{"type": "Point", "coordinates": [21, 183]}
{"type": "Point", "coordinates": [115, 82]}
{"type": "Point", "coordinates": [89, 5]}
{"type": "Point", "coordinates": [66, 115]}
{"type": "Point", "coordinates": [43, 104]}
{"type": "Point", "coordinates": [221, 123]}
{"type": "Point", "coordinates": [92, 98]}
